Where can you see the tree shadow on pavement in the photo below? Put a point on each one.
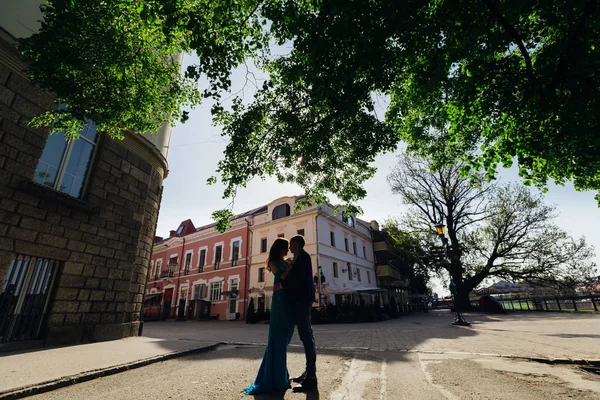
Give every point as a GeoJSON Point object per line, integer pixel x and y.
{"type": "Point", "coordinates": [401, 335]}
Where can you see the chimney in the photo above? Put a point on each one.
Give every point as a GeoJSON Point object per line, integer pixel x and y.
{"type": "Point", "coordinates": [172, 233]}
{"type": "Point", "coordinates": [374, 225]}
{"type": "Point", "coordinates": [157, 239]}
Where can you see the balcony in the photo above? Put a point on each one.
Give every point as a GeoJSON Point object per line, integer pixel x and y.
{"type": "Point", "coordinates": [167, 273]}
{"type": "Point", "coordinates": [388, 271]}
{"type": "Point", "coordinates": [383, 250]}
{"type": "Point", "coordinates": [389, 276]}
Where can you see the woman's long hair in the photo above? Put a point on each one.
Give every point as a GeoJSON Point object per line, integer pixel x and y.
{"type": "Point", "coordinates": [278, 246]}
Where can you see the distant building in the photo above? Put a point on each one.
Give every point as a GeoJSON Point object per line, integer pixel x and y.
{"type": "Point", "coordinates": [503, 287]}
{"type": "Point", "coordinates": [340, 248]}
{"type": "Point", "coordinates": [390, 277]}
{"type": "Point", "coordinates": [201, 273]}
{"type": "Point", "coordinates": [77, 218]}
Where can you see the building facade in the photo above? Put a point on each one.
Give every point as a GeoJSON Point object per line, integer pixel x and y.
{"type": "Point", "coordinates": [77, 219]}
{"type": "Point", "coordinates": [392, 279]}
{"type": "Point", "coordinates": [200, 273]}
{"type": "Point", "coordinates": [346, 257]}
{"type": "Point", "coordinates": [340, 248]}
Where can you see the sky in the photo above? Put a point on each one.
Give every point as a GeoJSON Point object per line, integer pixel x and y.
{"type": "Point", "coordinates": [197, 146]}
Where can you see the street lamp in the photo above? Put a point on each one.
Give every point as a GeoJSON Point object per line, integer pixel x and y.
{"type": "Point", "coordinates": [458, 318]}
{"type": "Point", "coordinates": [441, 229]}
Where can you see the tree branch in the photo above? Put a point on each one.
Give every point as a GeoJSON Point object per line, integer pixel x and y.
{"type": "Point", "coordinates": [517, 38]}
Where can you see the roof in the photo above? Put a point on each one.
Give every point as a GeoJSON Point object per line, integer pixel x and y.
{"type": "Point", "coordinates": [255, 211]}
{"type": "Point", "coordinates": [188, 223]}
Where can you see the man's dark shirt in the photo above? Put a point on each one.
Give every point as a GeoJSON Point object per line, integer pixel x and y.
{"type": "Point", "coordinates": [299, 282]}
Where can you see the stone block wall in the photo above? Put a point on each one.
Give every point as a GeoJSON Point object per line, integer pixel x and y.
{"type": "Point", "coordinates": [103, 241]}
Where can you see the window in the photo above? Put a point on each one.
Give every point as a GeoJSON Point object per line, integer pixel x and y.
{"type": "Point", "coordinates": [172, 266]}
{"type": "Point", "coordinates": [369, 276]}
{"type": "Point", "coordinates": [188, 262]}
{"type": "Point", "coordinates": [235, 256]}
{"type": "Point", "coordinates": [300, 232]}
{"type": "Point", "coordinates": [261, 274]}
{"type": "Point", "coordinates": [358, 275]}
{"type": "Point", "coordinates": [215, 291]}
{"type": "Point", "coordinates": [202, 260]}
{"type": "Point", "coordinates": [281, 211]}
{"type": "Point", "coordinates": [263, 245]}
{"type": "Point", "coordinates": [348, 221]}
{"type": "Point", "coordinates": [332, 238]}
{"type": "Point", "coordinates": [218, 256]}
{"type": "Point", "coordinates": [64, 165]}
{"type": "Point", "coordinates": [364, 252]}
{"type": "Point", "coordinates": [203, 291]}
{"type": "Point", "coordinates": [29, 282]}
{"type": "Point", "coordinates": [346, 244]}
{"type": "Point", "coordinates": [233, 285]}
{"type": "Point", "coordinates": [349, 271]}
{"type": "Point", "coordinates": [158, 268]}
{"type": "Point", "coordinates": [335, 270]}
{"type": "Point", "coordinates": [281, 235]}
{"type": "Point", "coordinates": [354, 247]}
{"type": "Point", "coordinates": [180, 230]}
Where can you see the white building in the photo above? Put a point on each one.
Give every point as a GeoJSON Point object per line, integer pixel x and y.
{"type": "Point", "coordinates": [340, 248]}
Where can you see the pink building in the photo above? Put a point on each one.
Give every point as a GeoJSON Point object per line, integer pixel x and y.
{"type": "Point", "coordinates": [200, 273]}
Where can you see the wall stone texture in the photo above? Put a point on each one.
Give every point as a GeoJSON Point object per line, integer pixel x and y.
{"type": "Point", "coordinates": [103, 242]}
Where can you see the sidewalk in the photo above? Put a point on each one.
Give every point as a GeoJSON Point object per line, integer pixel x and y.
{"type": "Point", "coordinates": [58, 367]}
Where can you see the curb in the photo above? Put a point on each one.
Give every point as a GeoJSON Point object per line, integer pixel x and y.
{"type": "Point", "coordinates": [48, 386]}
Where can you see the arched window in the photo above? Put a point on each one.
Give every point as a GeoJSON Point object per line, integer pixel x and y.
{"type": "Point", "coordinates": [281, 211]}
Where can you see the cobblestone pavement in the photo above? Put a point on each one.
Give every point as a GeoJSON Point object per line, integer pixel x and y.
{"type": "Point", "coordinates": [544, 335]}
{"type": "Point", "coordinates": [343, 375]}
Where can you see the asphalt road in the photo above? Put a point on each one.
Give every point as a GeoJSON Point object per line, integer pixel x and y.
{"type": "Point", "coordinates": [345, 375]}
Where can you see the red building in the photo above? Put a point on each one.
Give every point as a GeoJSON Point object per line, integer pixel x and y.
{"type": "Point", "coordinates": [200, 273]}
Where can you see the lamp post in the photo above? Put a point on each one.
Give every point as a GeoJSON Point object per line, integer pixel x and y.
{"type": "Point", "coordinates": [458, 318]}
{"type": "Point", "coordinates": [319, 280]}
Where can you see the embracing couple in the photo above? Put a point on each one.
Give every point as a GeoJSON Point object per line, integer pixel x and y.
{"type": "Point", "coordinates": [293, 296]}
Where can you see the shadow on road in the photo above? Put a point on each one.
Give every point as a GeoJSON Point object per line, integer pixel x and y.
{"type": "Point", "coordinates": [401, 335]}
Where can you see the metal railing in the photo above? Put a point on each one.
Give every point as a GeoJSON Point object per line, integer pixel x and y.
{"type": "Point", "coordinates": [582, 303]}
{"type": "Point", "coordinates": [24, 297]}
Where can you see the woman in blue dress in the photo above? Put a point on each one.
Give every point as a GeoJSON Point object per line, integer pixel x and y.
{"type": "Point", "coordinates": [273, 374]}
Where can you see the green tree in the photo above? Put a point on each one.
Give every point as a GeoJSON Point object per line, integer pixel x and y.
{"type": "Point", "coordinates": [116, 62]}
{"type": "Point", "coordinates": [412, 259]}
{"type": "Point", "coordinates": [510, 79]}
{"type": "Point", "coordinates": [503, 232]}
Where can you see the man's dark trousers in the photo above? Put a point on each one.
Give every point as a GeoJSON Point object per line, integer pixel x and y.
{"type": "Point", "coordinates": [302, 313]}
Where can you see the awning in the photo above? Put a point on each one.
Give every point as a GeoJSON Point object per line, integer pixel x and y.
{"type": "Point", "coordinates": [151, 296]}
{"type": "Point", "coordinates": [340, 291]}
{"type": "Point", "coordinates": [373, 291]}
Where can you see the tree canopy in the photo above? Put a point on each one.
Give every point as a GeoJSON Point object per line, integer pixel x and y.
{"type": "Point", "coordinates": [502, 79]}
{"type": "Point", "coordinates": [494, 231]}
{"type": "Point", "coordinates": [116, 62]}
{"type": "Point", "coordinates": [410, 257]}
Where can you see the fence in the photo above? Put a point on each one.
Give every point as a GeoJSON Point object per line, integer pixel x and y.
{"type": "Point", "coordinates": [587, 303]}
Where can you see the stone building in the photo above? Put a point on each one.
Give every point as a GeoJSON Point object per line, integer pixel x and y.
{"type": "Point", "coordinates": [77, 219]}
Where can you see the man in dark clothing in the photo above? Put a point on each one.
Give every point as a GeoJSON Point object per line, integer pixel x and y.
{"type": "Point", "coordinates": [299, 286]}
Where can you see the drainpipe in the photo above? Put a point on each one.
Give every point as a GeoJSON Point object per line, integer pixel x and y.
{"type": "Point", "coordinates": [247, 272]}
{"type": "Point", "coordinates": [317, 242]}
{"type": "Point", "coordinates": [179, 281]}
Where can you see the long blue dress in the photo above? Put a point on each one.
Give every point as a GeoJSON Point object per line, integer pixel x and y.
{"type": "Point", "coordinates": [273, 374]}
